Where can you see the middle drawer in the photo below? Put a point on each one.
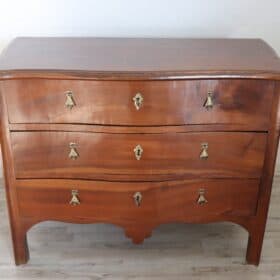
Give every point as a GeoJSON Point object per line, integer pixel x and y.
{"type": "Point", "coordinates": [143, 157]}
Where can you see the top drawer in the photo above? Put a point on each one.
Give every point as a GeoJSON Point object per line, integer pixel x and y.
{"type": "Point", "coordinates": [140, 103]}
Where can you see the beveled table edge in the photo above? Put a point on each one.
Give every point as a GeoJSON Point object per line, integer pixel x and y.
{"type": "Point", "coordinates": [133, 75]}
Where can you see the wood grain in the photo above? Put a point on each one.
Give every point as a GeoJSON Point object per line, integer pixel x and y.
{"type": "Point", "coordinates": [258, 228]}
{"type": "Point", "coordinates": [161, 202]}
{"type": "Point", "coordinates": [242, 131]}
{"type": "Point", "coordinates": [236, 102]}
{"type": "Point", "coordinates": [18, 230]}
{"type": "Point", "coordinates": [123, 58]}
{"type": "Point", "coordinates": [135, 129]}
{"type": "Point", "coordinates": [111, 156]}
{"type": "Point", "coordinates": [175, 251]}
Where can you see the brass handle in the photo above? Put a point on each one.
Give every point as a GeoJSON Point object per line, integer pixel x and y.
{"type": "Point", "coordinates": [75, 199]}
{"type": "Point", "coordinates": [138, 151]}
{"type": "Point", "coordinates": [204, 151]}
{"type": "Point", "coordinates": [209, 102]}
{"type": "Point", "coordinates": [70, 102]}
{"type": "Point", "coordinates": [73, 154]}
{"type": "Point", "coordinates": [138, 100]}
{"type": "Point", "coordinates": [201, 198]}
{"type": "Point", "coordinates": [137, 198]}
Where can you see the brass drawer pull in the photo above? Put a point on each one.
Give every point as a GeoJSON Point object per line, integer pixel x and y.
{"type": "Point", "coordinates": [201, 198]}
{"type": "Point", "coordinates": [137, 198]}
{"type": "Point", "coordinates": [75, 199]}
{"type": "Point", "coordinates": [138, 100]}
{"type": "Point", "coordinates": [209, 103]}
{"type": "Point", "coordinates": [138, 151]}
{"type": "Point", "coordinates": [204, 151]}
{"type": "Point", "coordinates": [70, 102]}
{"type": "Point", "coordinates": [73, 154]}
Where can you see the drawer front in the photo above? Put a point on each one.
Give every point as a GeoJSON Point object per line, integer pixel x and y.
{"type": "Point", "coordinates": [187, 200]}
{"type": "Point", "coordinates": [137, 156]}
{"type": "Point", "coordinates": [241, 102]}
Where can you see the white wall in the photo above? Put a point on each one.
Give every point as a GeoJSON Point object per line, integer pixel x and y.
{"type": "Point", "coordinates": [141, 18]}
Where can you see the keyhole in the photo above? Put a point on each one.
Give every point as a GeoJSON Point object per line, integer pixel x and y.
{"type": "Point", "coordinates": [138, 100]}
{"type": "Point", "coordinates": [138, 152]}
{"type": "Point", "coordinates": [137, 198]}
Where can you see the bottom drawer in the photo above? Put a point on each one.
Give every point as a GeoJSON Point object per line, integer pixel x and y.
{"type": "Point", "coordinates": [128, 203]}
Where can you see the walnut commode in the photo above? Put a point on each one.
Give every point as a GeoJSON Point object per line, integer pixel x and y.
{"type": "Point", "coordinates": [139, 132]}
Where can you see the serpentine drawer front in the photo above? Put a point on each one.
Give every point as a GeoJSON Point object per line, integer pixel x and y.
{"type": "Point", "coordinates": [106, 156]}
{"type": "Point", "coordinates": [150, 203]}
{"type": "Point", "coordinates": [186, 131]}
{"type": "Point", "coordinates": [140, 103]}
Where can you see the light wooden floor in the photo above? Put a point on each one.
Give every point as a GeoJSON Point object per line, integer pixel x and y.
{"type": "Point", "coordinates": [91, 252]}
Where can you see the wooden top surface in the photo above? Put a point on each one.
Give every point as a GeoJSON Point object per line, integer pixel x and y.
{"type": "Point", "coordinates": [138, 58]}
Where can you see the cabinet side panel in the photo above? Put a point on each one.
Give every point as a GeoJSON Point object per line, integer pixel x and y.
{"type": "Point", "coordinates": [258, 226]}
{"type": "Point", "coordinates": [18, 229]}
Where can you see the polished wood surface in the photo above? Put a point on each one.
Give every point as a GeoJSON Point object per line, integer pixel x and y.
{"type": "Point", "coordinates": [20, 247]}
{"type": "Point", "coordinates": [242, 132]}
{"type": "Point", "coordinates": [258, 227]}
{"type": "Point", "coordinates": [174, 251]}
{"type": "Point", "coordinates": [135, 129]}
{"type": "Point", "coordinates": [165, 102]}
{"type": "Point", "coordinates": [111, 157]}
{"type": "Point", "coordinates": [161, 202]}
{"type": "Point", "coordinates": [140, 58]}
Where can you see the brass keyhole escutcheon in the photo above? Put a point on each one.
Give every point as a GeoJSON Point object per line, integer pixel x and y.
{"type": "Point", "coordinates": [209, 102]}
{"type": "Point", "coordinates": [73, 154]}
{"type": "Point", "coordinates": [204, 151]}
{"type": "Point", "coordinates": [70, 102]}
{"type": "Point", "coordinates": [138, 151]}
{"type": "Point", "coordinates": [201, 198]}
{"type": "Point", "coordinates": [138, 100]}
{"type": "Point", "coordinates": [75, 199]}
{"type": "Point", "coordinates": [137, 198]}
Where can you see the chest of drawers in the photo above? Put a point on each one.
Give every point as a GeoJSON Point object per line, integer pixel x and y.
{"type": "Point", "coordinates": [139, 132]}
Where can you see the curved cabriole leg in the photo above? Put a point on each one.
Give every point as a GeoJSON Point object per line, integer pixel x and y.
{"type": "Point", "coordinates": [254, 247]}
{"type": "Point", "coordinates": [21, 251]}
{"type": "Point", "coordinates": [255, 240]}
{"type": "Point", "coordinates": [19, 235]}
{"type": "Point", "coordinates": [254, 250]}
